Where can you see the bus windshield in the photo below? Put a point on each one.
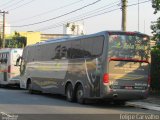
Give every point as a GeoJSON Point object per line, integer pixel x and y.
{"type": "Point", "coordinates": [129, 46]}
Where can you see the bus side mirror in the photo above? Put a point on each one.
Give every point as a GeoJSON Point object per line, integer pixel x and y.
{"type": "Point", "coordinates": [17, 62]}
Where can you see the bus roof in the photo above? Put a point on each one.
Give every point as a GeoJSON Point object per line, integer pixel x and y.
{"type": "Point", "coordinates": [9, 49]}
{"type": "Point", "coordinates": [69, 38]}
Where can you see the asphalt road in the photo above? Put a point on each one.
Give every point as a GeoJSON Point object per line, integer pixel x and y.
{"type": "Point", "coordinates": [39, 106]}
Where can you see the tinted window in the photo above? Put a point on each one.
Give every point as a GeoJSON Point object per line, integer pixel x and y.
{"type": "Point", "coordinates": [25, 53]}
{"type": "Point", "coordinates": [76, 49]}
{"type": "Point", "coordinates": [80, 48]}
{"type": "Point", "coordinates": [97, 46]}
{"type": "Point", "coordinates": [4, 57]}
{"type": "Point", "coordinates": [49, 51]}
{"type": "Point", "coordinates": [31, 54]}
{"type": "Point", "coordinates": [87, 47]}
{"type": "Point", "coordinates": [62, 50]}
{"type": "Point", "coordinates": [66, 46]}
{"type": "Point", "coordinates": [92, 46]}
{"type": "Point", "coordinates": [129, 46]}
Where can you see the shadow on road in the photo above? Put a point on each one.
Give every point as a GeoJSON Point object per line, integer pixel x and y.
{"type": "Point", "coordinates": [14, 96]}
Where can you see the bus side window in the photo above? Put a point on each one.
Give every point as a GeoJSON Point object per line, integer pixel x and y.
{"type": "Point", "coordinates": [97, 46]}
{"type": "Point", "coordinates": [58, 52]}
{"type": "Point", "coordinates": [63, 52]}
{"type": "Point", "coordinates": [87, 47]}
{"type": "Point", "coordinates": [76, 50]}
{"type": "Point", "coordinates": [5, 60]}
{"type": "Point", "coordinates": [92, 47]}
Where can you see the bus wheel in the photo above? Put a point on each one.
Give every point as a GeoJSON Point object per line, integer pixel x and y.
{"type": "Point", "coordinates": [69, 93]}
{"type": "Point", "coordinates": [80, 95]}
{"type": "Point", "coordinates": [120, 102]}
{"type": "Point", "coordinates": [0, 86]}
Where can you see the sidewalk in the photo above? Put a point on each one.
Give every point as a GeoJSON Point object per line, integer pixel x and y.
{"type": "Point", "coordinates": [151, 103]}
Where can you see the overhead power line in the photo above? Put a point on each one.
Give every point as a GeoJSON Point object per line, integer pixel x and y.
{"type": "Point", "coordinates": [139, 3]}
{"type": "Point", "coordinates": [21, 5]}
{"type": "Point", "coordinates": [58, 16]}
{"type": "Point", "coordinates": [15, 3]}
{"type": "Point", "coordinates": [87, 17]}
{"type": "Point", "coordinates": [78, 19]}
{"type": "Point", "coordinates": [46, 12]}
{"type": "Point", "coordinates": [106, 7]}
{"type": "Point", "coordinates": [7, 3]}
{"type": "Point", "coordinates": [92, 12]}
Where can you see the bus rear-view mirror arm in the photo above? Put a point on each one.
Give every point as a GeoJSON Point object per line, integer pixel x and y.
{"type": "Point", "coordinates": [18, 61]}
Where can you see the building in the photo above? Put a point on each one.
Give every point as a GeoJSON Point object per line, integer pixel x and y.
{"type": "Point", "coordinates": [74, 28]}
{"type": "Point", "coordinates": [35, 37]}
{"type": "Point", "coordinates": [52, 36]}
{"type": "Point", "coordinates": [32, 37]}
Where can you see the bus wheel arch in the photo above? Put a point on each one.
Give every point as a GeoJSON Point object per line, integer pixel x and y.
{"type": "Point", "coordinates": [29, 85]}
{"type": "Point", "coordinates": [69, 92]}
{"type": "Point", "coordinates": [79, 93]}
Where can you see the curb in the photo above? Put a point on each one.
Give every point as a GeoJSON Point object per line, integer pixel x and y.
{"type": "Point", "coordinates": [144, 105]}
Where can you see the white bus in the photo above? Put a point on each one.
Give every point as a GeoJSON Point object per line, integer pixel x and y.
{"type": "Point", "coordinates": [110, 65]}
{"type": "Point", "coordinates": [9, 71]}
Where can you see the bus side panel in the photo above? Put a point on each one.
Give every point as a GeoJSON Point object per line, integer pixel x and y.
{"type": "Point", "coordinates": [51, 77]}
{"type": "Point", "coordinates": [47, 76]}
{"type": "Point", "coordinates": [86, 72]}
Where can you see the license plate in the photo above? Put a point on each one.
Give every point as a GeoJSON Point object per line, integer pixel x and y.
{"type": "Point", "coordinates": [128, 87]}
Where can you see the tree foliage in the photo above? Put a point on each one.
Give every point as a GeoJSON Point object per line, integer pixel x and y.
{"type": "Point", "coordinates": [155, 53]}
{"type": "Point", "coordinates": [17, 41]}
{"type": "Point", "coordinates": [156, 25]}
{"type": "Point", "coordinates": [156, 5]}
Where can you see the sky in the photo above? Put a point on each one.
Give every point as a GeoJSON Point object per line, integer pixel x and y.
{"type": "Point", "coordinates": [49, 16]}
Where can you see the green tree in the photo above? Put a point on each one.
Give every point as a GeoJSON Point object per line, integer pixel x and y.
{"type": "Point", "coordinates": [156, 5]}
{"type": "Point", "coordinates": [156, 25]}
{"type": "Point", "coordinates": [17, 41]}
{"type": "Point", "coordinates": [155, 53]}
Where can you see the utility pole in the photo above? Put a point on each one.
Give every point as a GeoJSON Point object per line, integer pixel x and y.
{"type": "Point", "coordinates": [3, 34]}
{"type": "Point", "coordinates": [138, 15]}
{"type": "Point", "coordinates": [124, 12]}
{"type": "Point", "coordinates": [144, 26]}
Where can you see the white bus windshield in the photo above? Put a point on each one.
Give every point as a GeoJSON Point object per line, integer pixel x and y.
{"type": "Point", "coordinates": [129, 46]}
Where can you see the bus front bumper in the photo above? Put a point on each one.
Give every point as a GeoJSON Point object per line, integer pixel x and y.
{"type": "Point", "coordinates": [14, 82]}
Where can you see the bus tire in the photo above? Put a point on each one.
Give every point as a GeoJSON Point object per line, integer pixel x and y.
{"type": "Point", "coordinates": [120, 102]}
{"type": "Point", "coordinates": [80, 95]}
{"type": "Point", "coordinates": [70, 93]}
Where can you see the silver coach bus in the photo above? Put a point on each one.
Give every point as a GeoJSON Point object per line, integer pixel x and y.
{"type": "Point", "coordinates": [110, 65]}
